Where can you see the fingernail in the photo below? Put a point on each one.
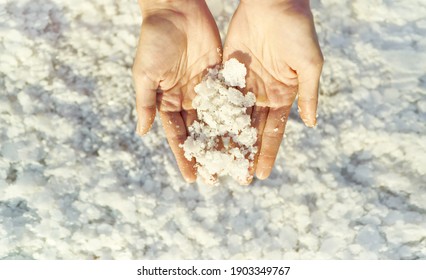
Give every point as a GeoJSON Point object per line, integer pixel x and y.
{"type": "Point", "coordinates": [309, 121]}
{"type": "Point", "coordinates": [138, 131]}
{"type": "Point", "coordinates": [262, 174]}
{"type": "Point", "coordinates": [190, 179]}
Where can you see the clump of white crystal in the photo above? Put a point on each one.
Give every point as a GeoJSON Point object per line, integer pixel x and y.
{"type": "Point", "coordinates": [234, 73]}
{"type": "Point", "coordinates": [222, 140]}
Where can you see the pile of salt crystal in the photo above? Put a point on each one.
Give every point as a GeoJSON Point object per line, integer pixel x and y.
{"type": "Point", "coordinates": [222, 140]}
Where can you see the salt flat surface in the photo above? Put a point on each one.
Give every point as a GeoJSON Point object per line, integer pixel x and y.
{"type": "Point", "coordinates": [76, 182]}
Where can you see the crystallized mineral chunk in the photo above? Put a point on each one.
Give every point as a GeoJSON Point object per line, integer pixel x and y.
{"type": "Point", "coordinates": [234, 73]}
{"type": "Point", "coordinates": [222, 141]}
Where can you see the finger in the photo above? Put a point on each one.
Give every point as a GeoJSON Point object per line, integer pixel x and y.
{"type": "Point", "coordinates": [258, 121]}
{"type": "Point", "coordinates": [271, 140]}
{"type": "Point", "coordinates": [308, 93]}
{"type": "Point", "coordinates": [176, 134]}
{"type": "Point", "coordinates": [249, 110]}
{"type": "Point", "coordinates": [189, 90]}
{"type": "Point", "coordinates": [145, 101]}
{"type": "Point", "coordinates": [189, 116]}
{"type": "Point", "coordinates": [145, 87]}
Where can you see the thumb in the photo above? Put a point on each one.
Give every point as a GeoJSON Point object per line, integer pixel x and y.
{"type": "Point", "coordinates": [146, 96]}
{"type": "Point", "coordinates": [308, 93]}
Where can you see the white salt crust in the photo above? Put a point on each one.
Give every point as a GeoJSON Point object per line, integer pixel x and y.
{"type": "Point", "coordinates": [76, 181]}
{"type": "Point", "coordinates": [222, 140]}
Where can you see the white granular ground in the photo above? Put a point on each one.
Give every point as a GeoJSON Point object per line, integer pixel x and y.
{"type": "Point", "coordinates": [76, 181]}
{"type": "Point", "coordinates": [222, 140]}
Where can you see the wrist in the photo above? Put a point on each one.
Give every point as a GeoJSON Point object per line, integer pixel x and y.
{"type": "Point", "coordinates": [274, 1]}
{"type": "Point", "coordinates": [300, 4]}
{"type": "Point", "coordinates": [152, 6]}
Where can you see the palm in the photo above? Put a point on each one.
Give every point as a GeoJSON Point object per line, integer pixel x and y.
{"type": "Point", "coordinates": [268, 76]}
{"type": "Point", "coordinates": [174, 51]}
{"type": "Point", "coordinates": [279, 52]}
{"type": "Point", "coordinates": [173, 55]}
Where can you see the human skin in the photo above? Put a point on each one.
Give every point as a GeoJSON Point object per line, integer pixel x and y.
{"type": "Point", "coordinates": [178, 41]}
{"type": "Point", "coordinates": [277, 41]}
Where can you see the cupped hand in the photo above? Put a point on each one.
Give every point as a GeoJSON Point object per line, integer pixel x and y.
{"type": "Point", "coordinates": [178, 41]}
{"type": "Point", "coordinates": [277, 42]}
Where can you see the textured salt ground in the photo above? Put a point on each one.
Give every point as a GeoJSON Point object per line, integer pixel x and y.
{"type": "Point", "coordinates": [76, 182]}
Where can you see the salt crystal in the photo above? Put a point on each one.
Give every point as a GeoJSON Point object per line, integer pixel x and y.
{"type": "Point", "coordinates": [234, 73]}
{"type": "Point", "coordinates": [222, 114]}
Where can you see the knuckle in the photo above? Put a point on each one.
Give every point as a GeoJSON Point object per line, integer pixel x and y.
{"type": "Point", "coordinates": [135, 70]}
{"type": "Point", "coordinates": [139, 71]}
{"type": "Point", "coordinates": [319, 60]}
{"type": "Point", "coordinates": [315, 62]}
